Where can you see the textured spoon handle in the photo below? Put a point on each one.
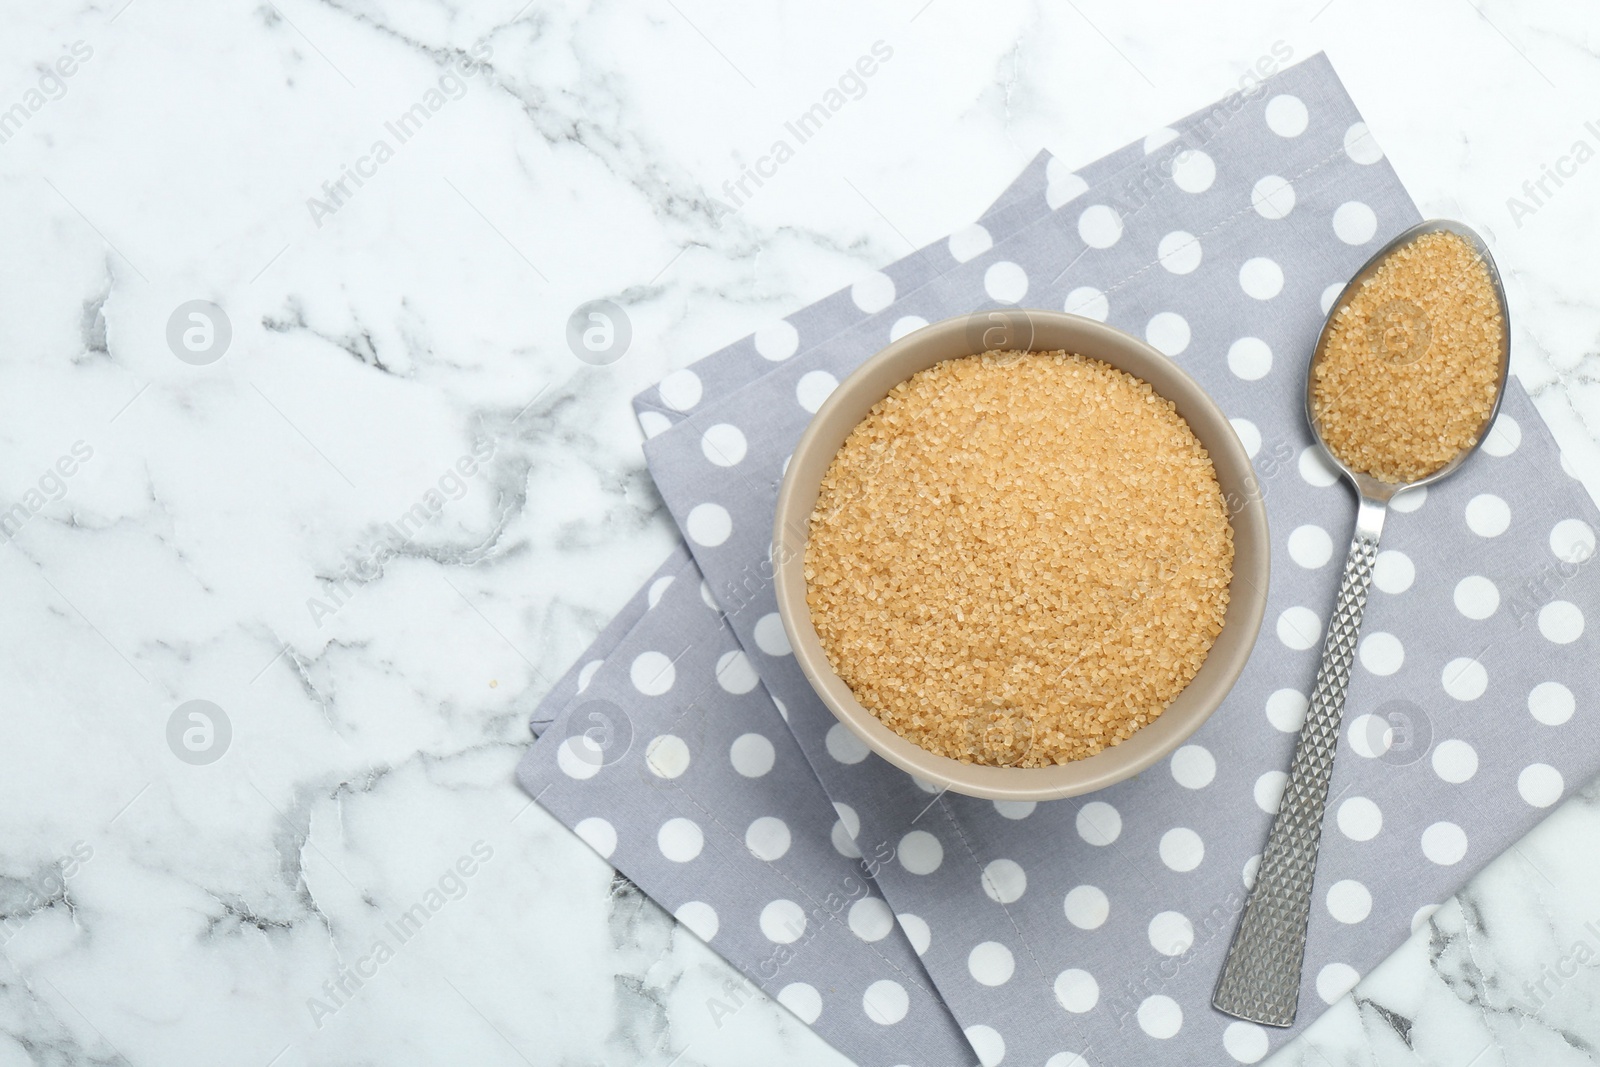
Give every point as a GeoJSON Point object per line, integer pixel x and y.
{"type": "Point", "coordinates": [1261, 977]}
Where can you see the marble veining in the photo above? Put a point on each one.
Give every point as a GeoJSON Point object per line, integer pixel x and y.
{"type": "Point", "coordinates": [227, 539]}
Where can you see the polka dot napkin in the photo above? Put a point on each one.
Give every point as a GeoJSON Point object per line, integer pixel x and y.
{"type": "Point", "coordinates": [1095, 927]}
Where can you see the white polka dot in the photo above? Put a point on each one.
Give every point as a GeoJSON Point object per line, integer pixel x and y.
{"type": "Point", "coordinates": [1329, 295]}
{"type": "Point", "coordinates": [1167, 332]}
{"type": "Point", "coordinates": [700, 918]}
{"type": "Point", "coordinates": [1370, 736]}
{"type": "Point", "coordinates": [917, 931]}
{"type": "Point", "coordinates": [723, 444]}
{"type": "Point", "coordinates": [734, 673]}
{"type": "Point", "coordinates": [1335, 980]}
{"type": "Point", "coordinates": [1444, 843]}
{"type": "Point", "coordinates": [1015, 809]}
{"type": "Point", "coordinates": [1572, 541]}
{"type": "Point", "coordinates": [923, 784]}
{"type": "Point", "coordinates": [969, 241]}
{"type": "Point", "coordinates": [1360, 146]}
{"type": "Point", "coordinates": [1476, 597]}
{"type": "Point", "coordinates": [1181, 849]}
{"type": "Point", "coordinates": [885, 1002]}
{"type": "Point", "coordinates": [1488, 515]}
{"type": "Point", "coordinates": [706, 597]}
{"type": "Point", "coordinates": [1245, 1042]}
{"type": "Point", "coordinates": [1349, 901]}
{"type": "Point", "coordinates": [1286, 710]}
{"type": "Point", "coordinates": [1315, 468]}
{"type": "Point", "coordinates": [667, 756]}
{"type": "Point", "coordinates": [1249, 435]}
{"type": "Point", "coordinates": [1268, 791]}
{"type": "Point", "coordinates": [802, 999]}
{"type": "Point", "coordinates": [1540, 784]}
{"type": "Point", "coordinates": [783, 922]}
{"type": "Point", "coordinates": [579, 757]}
{"type": "Point", "coordinates": [1063, 189]}
{"type": "Point", "coordinates": [708, 524]}
{"type": "Point", "coordinates": [1561, 621]}
{"type": "Point", "coordinates": [1160, 1017]}
{"type": "Point", "coordinates": [987, 1043]}
{"type": "Point", "coordinates": [1004, 881]}
{"type": "Point", "coordinates": [870, 919]}
{"type": "Point", "coordinates": [873, 293]}
{"type": "Point", "coordinates": [1273, 198]}
{"type": "Point", "coordinates": [658, 589]}
{"type": "Point", "coordinates": [1381, 653]}
{"type": "Point", "coordinates": [1170, 933]}
{"type": "Point", "coordinates": [1422, 915]}
{"type": "Point", "coordinates": [1261, 278]}
{"type": "Point", "coordinates": [1193, 171]}
{"type": "Point", "coordinates": [1193, 767]}
{"type": "Point", "coordinates": [1089, 302]}
{"type": "Point", "coordinates": [1086, 907]}
{"type": "Point", "coordinates": [767, 838]}
{"type": "Point", "coordinates": [1409, 500]}
{"type": "Point", "coordinates": [1464, 678]}
{"type": "Point", "coordinates": [920, 852]}
{"type": "Point", "coordinates": [1503, 437]}
{"type": "Point", "coordinates": [906, 324]}
{"type": "Point", "coordinates": [1006, 282]}
{"type": "Point", "coordinates": [1076, 990]}
{"type": "Point", "coordinates": [1179, 252]}
{"type": "Point", "coordinates": [680, 840]}
{"type": "Point", "coordinates": [813, 388]}
{"type": "Point", "coordinates": [1248, 874]}
{"type": "Point", "coordinates": [1100, 226]}
{"type": "Point", "coordinates": [1249, 358]}
{"type": "Point", "coordinates": [843, 745]}
{"type": "Point", "coordinates": [1551, 703]}
{"type": "Point", "coordinates": [990, 963]}
{"type": "Point", "coordinates": [586, 675]}
{"type": "Point", "coordinates": [653, 423]}
{"type": "Point", "coordinates": [1354, 223]}
{"type": "Point", "coordinates": [751, 755]}
{"type": "Point", "coordinates": [1310, 546]}
{"type": "Point", "coordinates": [845, 831]}
{"type": "Point", "coordinates": [1299, 628]}
{"type": "Point", "coordinates": [770, 637]}
{"type": "Point", "coordinates": [777, 341]}
{"type": "Point", "coordinates": [1066, 1059]}
{"type": "Point", "coordinates": [1359, 818]}
{"type": "Point", "coordinates": [1394, 572]}
{"type": "Point", "coordinates": [783, 709]}
{"type": "Point", "coordinates": [1286, 115]}
{"type": "Point", "coordinates": [598, 834]}
{"type": "Point", "coordinates": [680, 390]}
{"type": "Point", "coordinates": [1455, 761]}
{"type": "Point", "coordinates": [1099, 823]}
{"type": "Point", "coordinates": [1157, 139]}
{"type": "Point", "coordinates": [652, 673]}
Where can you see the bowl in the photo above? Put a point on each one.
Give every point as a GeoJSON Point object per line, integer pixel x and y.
{"type": "Point", "coordinates": [1037, 331]}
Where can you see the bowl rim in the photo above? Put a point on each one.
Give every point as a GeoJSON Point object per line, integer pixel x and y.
{"type": "Point", "coordinates": [1023, 329]}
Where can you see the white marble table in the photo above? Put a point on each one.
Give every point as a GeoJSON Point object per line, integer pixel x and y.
{"type": "Point", "coordinates": [217, 541]}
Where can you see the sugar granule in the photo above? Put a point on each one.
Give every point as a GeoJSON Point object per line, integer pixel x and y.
{"type": "Point", "coordinates": [1019, 558]}
{"type": "Point", "coordinates": [1411, 368]}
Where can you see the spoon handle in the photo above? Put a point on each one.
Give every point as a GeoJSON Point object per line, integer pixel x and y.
{"type": "Point", "coordinates": [1261, 977]}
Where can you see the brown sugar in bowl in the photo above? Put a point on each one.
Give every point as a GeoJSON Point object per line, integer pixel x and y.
{"type": "Point", "coordinates": [1036, 331]}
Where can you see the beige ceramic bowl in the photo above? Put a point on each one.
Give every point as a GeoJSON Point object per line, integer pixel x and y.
{"type": "Point", "coordinates": [1037, 331]}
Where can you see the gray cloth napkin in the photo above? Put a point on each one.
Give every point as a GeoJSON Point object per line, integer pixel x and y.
{"type": "Point", "coordinates": [1095, 927]}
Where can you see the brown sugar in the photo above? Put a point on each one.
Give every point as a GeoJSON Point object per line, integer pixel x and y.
{"type": "Point", "coordinates": [1019, 558]}
{"type": "Point", "coordinates": [1412, 365]}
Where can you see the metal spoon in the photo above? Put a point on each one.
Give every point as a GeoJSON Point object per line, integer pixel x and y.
{"type": "Point", "coordinates": [1261, 977]}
